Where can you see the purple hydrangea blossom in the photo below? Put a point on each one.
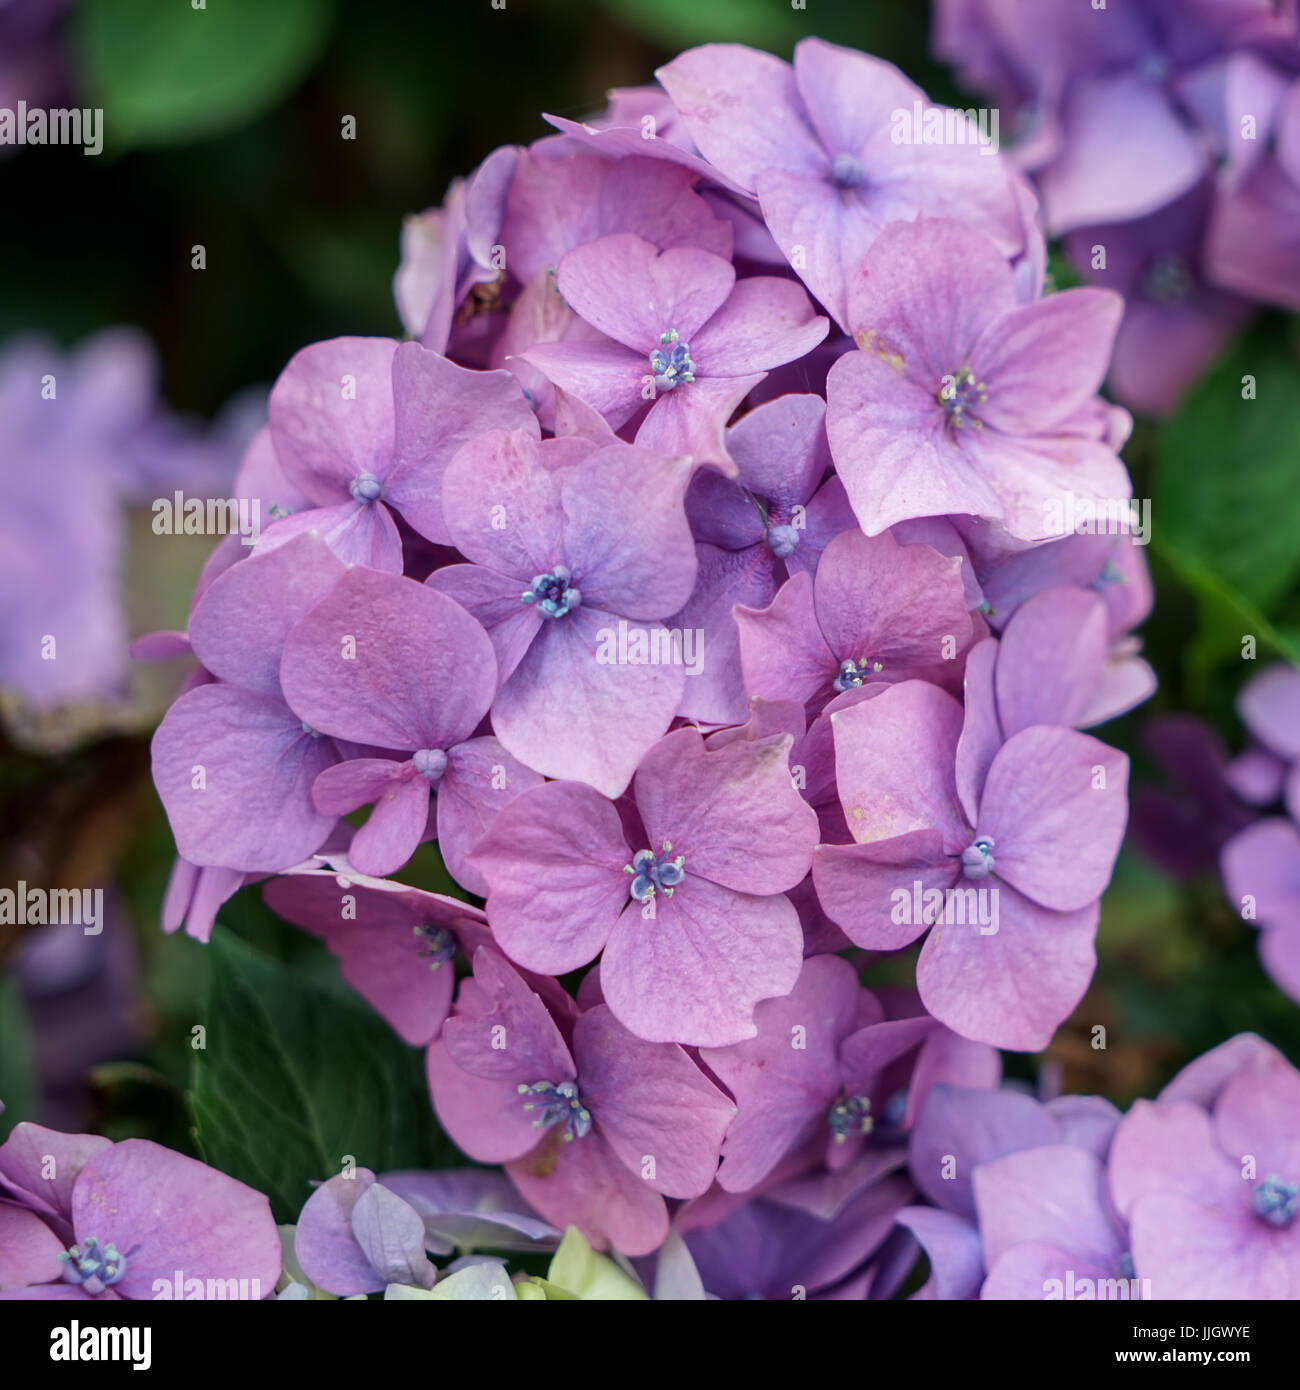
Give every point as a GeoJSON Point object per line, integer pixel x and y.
{"type": "Point", "coordinates": [447, 251]}
{"type": "Point", "coordinates": [1163, 133]}
{"type": "Point", "coordinates": [816, 145]}
{"type": "Point", "coordinates": [358, 1234]}
{"type": "Point", "coordinates": [772, 521]}
{"type": "Point", "coordinates": [1260, 862]}
{"type": "Point", "coordinates": [642, 123]}
{"type": "Point", "coordinates": [1112, 565]}
{"type": "Point", "coordinates": [681, 334]}
{"type": "Point", "coordinates": [567, 539]}
{"type": "Point", "coordinates": [1253, 247]}
{"type": "Point", "coordinates": [365, 428]}
{"type": "Point", "coordinates": [92, 1219]}
{"type": "Point", "coordinates": [396, 944]}
{"type": "Point", "coordinates": [682, 887]}
{"type": "Point", "coordinates": [962, 400]}
{"type": "Point", "coordinates": [1054, 664]}
{"type": "Point", "coordinates": [1175, 321]}
{"type": "Point", "coordinates": [355, 1236]}
{"type": "Point", "coordinates": [1103, 100]}
{"type": "Point", "coordinates": [195, 894]}
{"type": "Point", "coordinates": [773, 1247]}
{"type": "Point", "coordinates": [395, 665]}
{"type": "Point", "coordinates": [560, 199]}
{"type": "Point", "coordinates": [1211, 1191]}
{"type": "Point", "coordinates": [1046, 1229]}
{"type": "Point", "coordinates": [812, 770]}
{"type": "Point", "coordinates": [1184, 826]}
{"type": "Point", "coordinates": [1261, 875]}
{"type": "Point", "coordinates": [1036, 820]}
{"type": "Point", "coordinates": [821, 1067]}
{"type": "Point", "coordinates": [595, 1128]}
{"type": "Point", "coordinates": [233, 764]}
{"type": "Point", "coordinates": [1269, 706]}
{"type": "Point", "coordinates": [876, 611]}
{"type": "Point", "coordinates": [1033, 1169]}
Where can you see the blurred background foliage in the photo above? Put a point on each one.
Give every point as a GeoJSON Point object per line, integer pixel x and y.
{"type": "Point", "coordinates": [224, 129]}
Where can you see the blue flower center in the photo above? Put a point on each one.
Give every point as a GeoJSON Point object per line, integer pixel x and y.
{"type": "Point", "coordinates": [557, 1104]}
{"type": "Point", "coordinates": [851, 1116]}
{"type": "Point", "coordinates": [1110, 574]}
{"type": "Point", "coordinates": [1125, 1267]}
{"type": "Point", "coordinates": [430, 762]}
{"type": "Point", "coordinates": [977, 858]}
{"type": "Point", "coordinates": [1155, 67]}
{"type": "Point", "coordinates": [959, 395]}
{"type": "Point", "coordinates": [852, 673]}
{"type": "Point", "coordinates": [91, 1265]}
{"type": "Point", "coordinates": [307, 729]}
{"type": "Point", "coordinates": [651, 872]}
{"type": "Point", "coordinates": [847, 171]}
{"type": "Point", "coordinates": [1275, 1201]}
{"type": "Point", "coordinates": [553, 593]}
{"type": "Point", "coordinates": [671, 362]}
{"type": "Point", "coordinates": [365, 487]}
{"type": "Point", "coordinates": [1168, 281]}
{"type": "Point", "coordinates": [434, 944]}
{"type": "Point", "coordinates": [782, 540]}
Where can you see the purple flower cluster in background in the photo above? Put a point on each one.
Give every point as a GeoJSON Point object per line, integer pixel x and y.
{"type": "Point", "coordinates": [1191, 1196]}
{"type": "Point", "coordinates": [1240, 813]}
{"type": "Point", "coordinates": [85, 440]}
{"type": "Point", "coordinates": [1164, 139]}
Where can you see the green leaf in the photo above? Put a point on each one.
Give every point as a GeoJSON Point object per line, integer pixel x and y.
{"type": "Point", "coordinates": [1224, 618]}
{"type": "Point", "coordinates": [165, 72]}
{"type": "Point", "coordinates": [1226, 506]}
{"type": "Point", "coordinates": [297, 1074]}
{"type": "Point", "coordinates": [131, 1100]}
{"type": "Point", "coordinates": [683, 23]}
{"type": "Point", "coordinates": [18, 1087]}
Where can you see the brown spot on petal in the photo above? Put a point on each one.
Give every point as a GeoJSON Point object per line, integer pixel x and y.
{"type": "Point", "coordinates": [541, 1162]}
{"type": "Point", "coordinates": [868, 339]}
